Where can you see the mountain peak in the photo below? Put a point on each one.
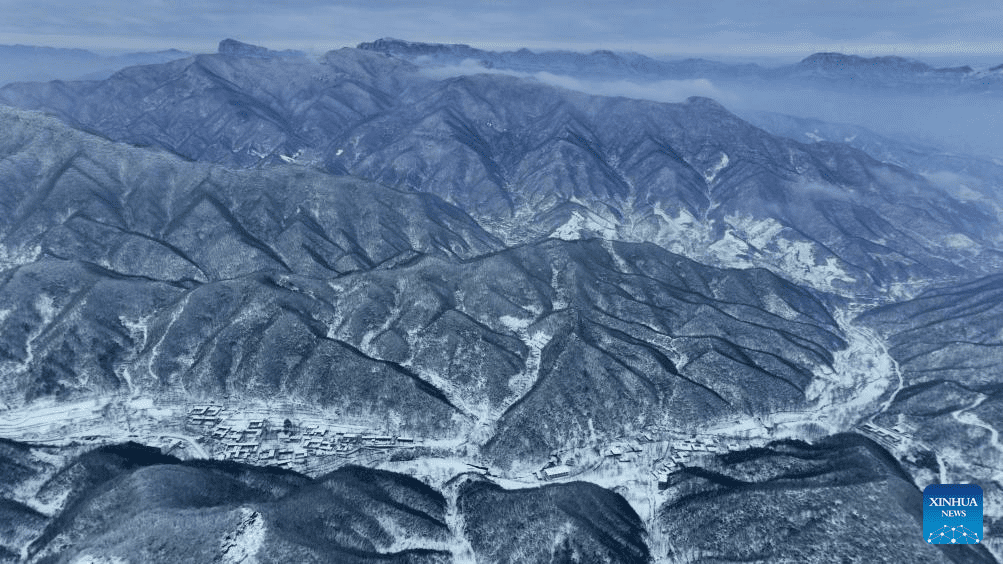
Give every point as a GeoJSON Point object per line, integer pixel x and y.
{"type": "Point", "coordinates": [956, 70]}
{"type": "Point", "coordinates": [840, 61]}
{"type": "Point", "coordinates": [236, 48]}
{"type": "Point", "coordinates": [402, 47]}
{"type": "Point", "coordinates": [704, 102]}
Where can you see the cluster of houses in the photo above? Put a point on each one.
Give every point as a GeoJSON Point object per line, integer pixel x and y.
{"type": "Point", "coordinates": [681, 451]}
{"type": "Point", "coordinates": [623, 452]}
{"type": "Point", "coordinates": [254, 441]}
{"type": "Point", "coordinates": [685, 450]}
{"type": "Point", "coordinates": [205, 414]}
{"type": "Point", "coordinates": [553, 472]}
{"type": "Point", "coordinates": [706, 444]}
{"type": "Point", "coordinates": [891, 439]}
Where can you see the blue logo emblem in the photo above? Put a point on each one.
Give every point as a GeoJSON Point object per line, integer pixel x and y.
{"type": "Point", "coordinates": [952, 514]}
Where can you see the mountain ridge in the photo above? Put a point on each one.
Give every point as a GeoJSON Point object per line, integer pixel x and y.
{"type": "Point", "coordinates": [541, 161]}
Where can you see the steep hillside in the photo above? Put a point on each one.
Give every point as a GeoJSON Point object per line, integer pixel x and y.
{"type": "Point", "coordinates": [948, 344]}
{"type": "Point", "coordinates": [558, 341]}
{"type": "Point", "coordinates": [561, 524]}
{"type": "Point", "coordinates": [145, 213]}
{"type": "Point", "coordinates": [843, 499]}
{"type": "Point", "coordinates": [129, 502]}
{"type": "Point", "coordinates": [203, 512]}
{"type": "Point", "coordinates": [130, 271]}
{"type": "Point", "coordinates": [530, 160]}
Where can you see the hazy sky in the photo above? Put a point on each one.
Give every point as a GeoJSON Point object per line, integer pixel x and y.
{"type": "Point", "coordinates": [775, 27]}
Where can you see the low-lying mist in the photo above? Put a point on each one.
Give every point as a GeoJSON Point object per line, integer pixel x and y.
{"type": "Point", "coordinates": [968, 123]}
{"type": "Point", "coordinates": [957, 123]}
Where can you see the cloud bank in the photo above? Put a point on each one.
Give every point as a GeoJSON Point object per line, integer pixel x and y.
{"type": "Point", "coordinates": [657, 91]}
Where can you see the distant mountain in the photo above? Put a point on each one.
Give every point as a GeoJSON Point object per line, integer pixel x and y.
{"type": "Point", "coordinates": [235, 48]}
{"type": "Point", "coordinates": [529, 160]}
{"type": "Point", "coordinates": [231, 109]}
{"type": "Point", "coordinates": [792, 502]}
{"type": "Point", "coordinates": [967, 178]}
{"type": "Point", "coordinates": [887, 73]}
{"type": "Point", "coordinates": [597, 64]}
{"type": "Point", "coordinates": [31, 63]}
{"type": "Point", "coordinates": [74, 196]}
{"type": "Point", "coordinates": [819, 68]}
{"type": "Point", "coordinates": [853, 64]}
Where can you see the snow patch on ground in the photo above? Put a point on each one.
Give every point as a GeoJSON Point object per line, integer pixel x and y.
{"type": "Point", "coordinates": [747, 238]}
{"type": "Point", "coordinates": [585, 224]}
{"type": "Point", "coordinates": [779, 307]}
{"type": "Point", "coordinates": [45, 306]}
{"type": "Point", "coordinates": [143, 403]}
{"type": "Point", "coordinates": [732, 251]}
{"type": "Point", "coordinates": [367, 338]}
{"type": "Point", "coordinates": [713, 171]}
{"type": "Point", "coordinates": [959, 241]}
{"type": "Point", "coordinates": [748, 242]}
{"type": "Point", "coordinates": [242, 545]}
{"type": "Point", "coordinates": [757, 233]}
{"type": "Point", "coordinates": [138, 333]}
{"type": "Point", "coordinates": [515, 324]}
{"type": "Point", "coordinates": [138, 328]}
{"type": "Point", "coordinates": [571, 230]}
{"type": "Point", "coordinates": [292, 159]}
{"type": "Point", "coordinates": [175, 315]}
{"type": "Point", "coordinates": [13, 258]}
{"type": "Point", "coordinates": [521, 383]}
{"type": "Point", "coordinates": [463, 551]}
{"type": "Point", "coordinates": [621, 264]}
{"type": "Point", "coordinates": [683, 234]}
{"type": "Point", "coordinates": [901, 291]}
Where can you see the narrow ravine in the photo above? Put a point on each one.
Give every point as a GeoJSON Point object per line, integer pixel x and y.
{"type": "Point", "coordinates": [463, 552]}
{"type": "Point", "coordinates": [863, 374]}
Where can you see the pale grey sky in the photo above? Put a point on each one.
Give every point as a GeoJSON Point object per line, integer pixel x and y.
{"type": "Point", "coordinates": [747, 27]}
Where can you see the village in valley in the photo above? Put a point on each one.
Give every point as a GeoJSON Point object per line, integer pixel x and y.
{"type": "Point", "coordinates": [661, 458]}
{"type": "Point", "coordinates": [293, 436]}
{"type": "Point", "coordinates": [257, 439]}
{"type": "Point", "coordinates": [313, 444]}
